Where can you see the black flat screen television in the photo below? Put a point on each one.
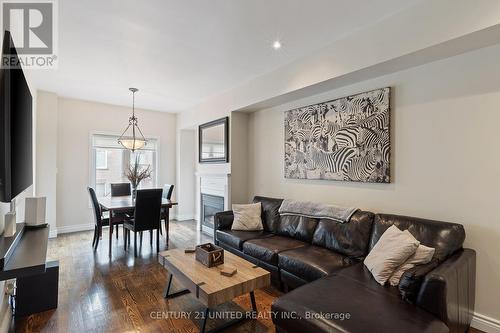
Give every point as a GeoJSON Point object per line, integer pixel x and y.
{"type": "Point", "coordinates": [16, 117]}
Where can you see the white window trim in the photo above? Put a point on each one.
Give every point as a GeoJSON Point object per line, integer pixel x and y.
{"type": "Point", "coordinates": [92, 180]}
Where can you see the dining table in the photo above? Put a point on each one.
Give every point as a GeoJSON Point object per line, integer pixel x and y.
{"type": "Point", "coordinates": [123, 204]}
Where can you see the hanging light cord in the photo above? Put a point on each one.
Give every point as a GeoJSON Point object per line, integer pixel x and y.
{"type": "Point", "coordinates": [135, 119]}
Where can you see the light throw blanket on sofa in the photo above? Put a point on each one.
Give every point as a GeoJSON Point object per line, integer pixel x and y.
{"type": "Point", "coordinates": [316, 210]}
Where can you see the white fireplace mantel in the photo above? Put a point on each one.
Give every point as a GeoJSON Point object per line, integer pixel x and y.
{"type": "Point", "coordinates": [217, 184]}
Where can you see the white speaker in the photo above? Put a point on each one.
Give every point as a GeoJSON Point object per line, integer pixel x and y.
{"type": "Point", "coordinates": [10, 224]}
{"type": "Point", "coordinates": [34, 213]}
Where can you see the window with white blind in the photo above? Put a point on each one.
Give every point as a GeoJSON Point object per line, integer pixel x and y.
{"type": "Point", "coordinates": [109, 160]}
{"type": "Point", "coordinates": [101, 159]}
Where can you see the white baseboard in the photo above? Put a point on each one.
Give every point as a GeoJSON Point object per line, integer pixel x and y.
{"type": "Point", "coordinates": [65, 229]}
{"type": "Point", "coordinates": [485, 323]}
{"type": "Point", "coordinates": [183, 217]}
{"type": "Point", "coordinates": [53, 233]}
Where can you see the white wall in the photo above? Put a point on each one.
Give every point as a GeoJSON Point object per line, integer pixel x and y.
{"type": "Point", "coordinates": [238, 146]}
{"type": "Point", "coordinates": [186, 183]}
{"type": "Point", "coordinates": [445, 162]}
{"type": "Point", "coordinates": [76, 120]}
{"type": "Point", "coordinates": [46, 154]}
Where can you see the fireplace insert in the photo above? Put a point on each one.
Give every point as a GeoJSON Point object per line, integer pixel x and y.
{"type": "Point", "coordinates": [210, 204]}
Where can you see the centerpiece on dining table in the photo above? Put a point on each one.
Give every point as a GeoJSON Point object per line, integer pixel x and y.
{"type": "Point", "coordinates": [136, 173]}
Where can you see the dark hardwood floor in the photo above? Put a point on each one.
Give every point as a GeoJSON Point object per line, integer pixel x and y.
{"type": "Point", "coordinates": [124, 294]}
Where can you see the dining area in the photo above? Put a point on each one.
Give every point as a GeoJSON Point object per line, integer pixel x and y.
{"type": "Point", "coordinates": [136, 211]}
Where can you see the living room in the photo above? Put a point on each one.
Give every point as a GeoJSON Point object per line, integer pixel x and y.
{"type": "Point", "coordinates": [314, 149]}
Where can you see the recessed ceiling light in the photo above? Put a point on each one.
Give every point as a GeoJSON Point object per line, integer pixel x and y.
{"type": "Point", "coordinates": [277, 45]}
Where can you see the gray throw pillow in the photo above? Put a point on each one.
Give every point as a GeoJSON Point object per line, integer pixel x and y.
{"type": "Point", "coordinates": [247, 217]}
{"type": "Point", "coordinates": [422, 255]}
{"type": "Point", "coordinates": [392, 249]}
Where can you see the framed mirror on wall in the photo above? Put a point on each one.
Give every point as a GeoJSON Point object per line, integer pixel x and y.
{"type": "Point", "coordinates": [213, 141]}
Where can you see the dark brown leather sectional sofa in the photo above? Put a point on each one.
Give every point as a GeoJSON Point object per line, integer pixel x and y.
{"type": "Point", "coordinates": [334, 292]}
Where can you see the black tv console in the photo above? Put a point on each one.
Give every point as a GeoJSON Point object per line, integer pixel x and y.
{"type": "Point", "coordinates": [27, 263]}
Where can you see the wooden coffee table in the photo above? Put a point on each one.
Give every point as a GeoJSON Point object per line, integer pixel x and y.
{"type": "Point", "coordinates": [208, 285]}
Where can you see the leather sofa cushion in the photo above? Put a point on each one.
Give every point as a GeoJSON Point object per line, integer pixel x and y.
{"type": "Point", "coordinates": [235, 238]}
{"type": "Point", "coordinates": [362, 275]}
{"type": "Point", "coordinates": [267, 249]}
{"type": "Point", "coordinates": [311, 262]}
{"type": "Point", "coordinates": [445, 237]}
{"type": "Point", "coordinates": [298, 227]}
{"type": "Point", "coordinates": [270, 215]}
{"type": "Point", "coordinates": [292, 281]}
{"type": "Point", "coordinates": [329, 295]}
{"type": "Point", "coordinates": [350, 239]}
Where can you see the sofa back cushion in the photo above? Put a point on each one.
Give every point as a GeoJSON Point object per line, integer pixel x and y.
{"type": "Point", "coordinates": [445, 237]}
{"type": "Point", "coordinates": [350, 239]}
{"type": "Point", "coordinates": [270, 215]}
{"type": "Point", "coordinates": [298, 227]}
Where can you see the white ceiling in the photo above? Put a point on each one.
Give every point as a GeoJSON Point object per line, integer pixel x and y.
{"type": "Point", "coordinates": [179, 53]}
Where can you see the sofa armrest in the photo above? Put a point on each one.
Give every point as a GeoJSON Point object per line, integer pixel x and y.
{"type": "Point", "coordinates": [223, 220]}
{"type": "Point", "coordinates": [448, 291]}
{"type": "Point", "coordinates": [411, 280]}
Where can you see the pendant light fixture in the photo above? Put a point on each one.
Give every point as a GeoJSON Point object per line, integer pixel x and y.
{"type": "Point", "coordinates": [132, 142]}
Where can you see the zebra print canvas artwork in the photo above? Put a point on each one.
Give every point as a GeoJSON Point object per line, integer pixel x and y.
{"type": "Point", "coordinates": [345, 139]}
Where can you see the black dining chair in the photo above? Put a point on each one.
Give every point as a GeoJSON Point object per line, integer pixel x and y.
{"type": "Point", "coordinates": [168, 189]}
{"type": "Point", "coordinates": [146, 217]}
{"type": "Point", "coordinates": [120, 189]}
{"type": "Point", "coordinates": [99, 220]}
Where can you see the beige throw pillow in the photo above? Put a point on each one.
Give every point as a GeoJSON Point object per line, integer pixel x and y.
{"type": "Point", "coordinates": [423, 255]}
{"type": "Point", "coordinates": [247, 217]}
{"type": "Point", "coordinates": [392, 249]}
